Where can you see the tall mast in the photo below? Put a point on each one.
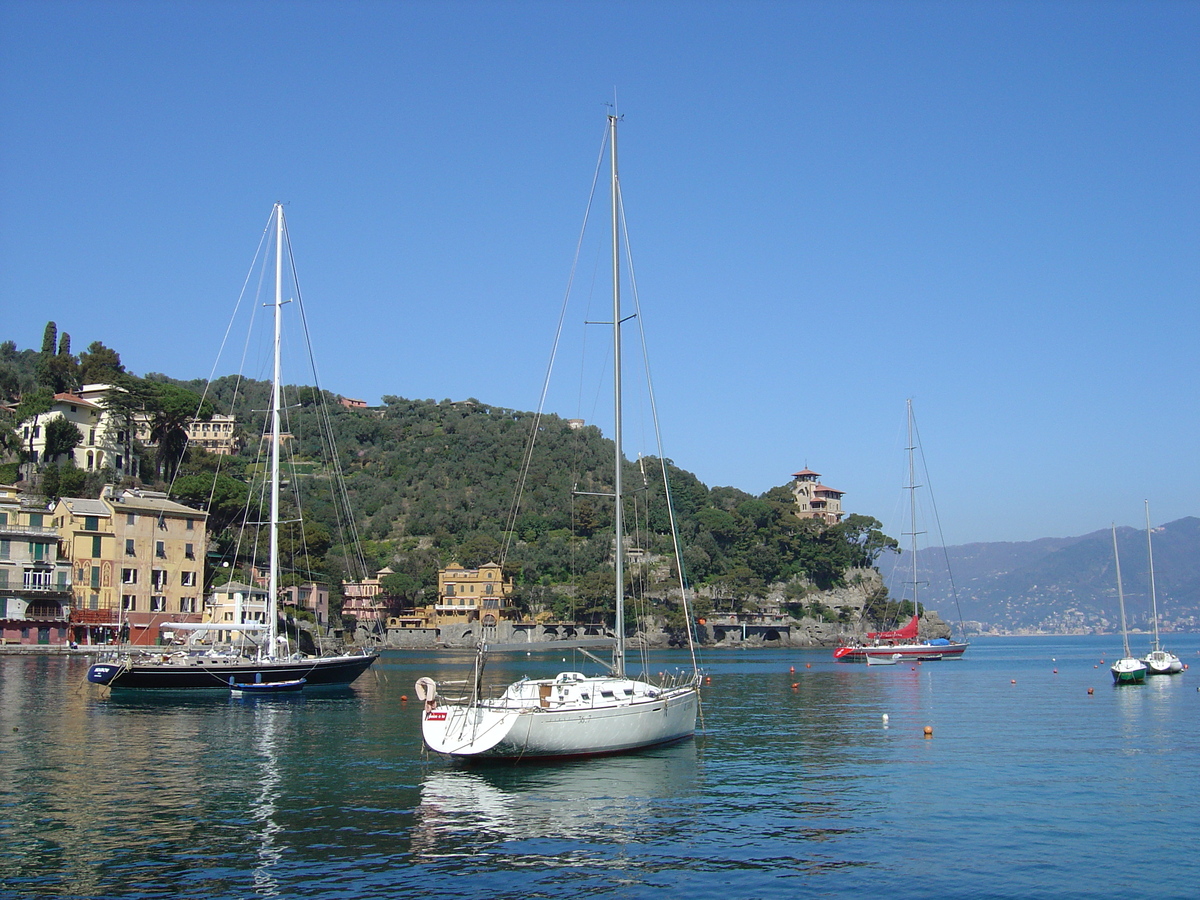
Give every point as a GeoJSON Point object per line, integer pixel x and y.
{"type": "Point", "coordinates": [1120, 591]}
{"type": "Point", "coordinates": [912, 505]}
{"type": "Point", "coordinates": [1153, 594]}
{"type": "Point", "coordinates": [273, 583]}
{"type": "Point", "coordinates": [618, 523]}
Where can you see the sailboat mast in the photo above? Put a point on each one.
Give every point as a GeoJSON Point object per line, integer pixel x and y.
{"type": "Point", "coordinates": [618, 510]}
{"type": "Point", "coordinates": [1153, 594]}
{"type": "Point", "coordinates": [912, 506]}
{"type": "Point", "coordinates": [273, 581]}
{"type": "Point", "coordinates": [1120, 591]}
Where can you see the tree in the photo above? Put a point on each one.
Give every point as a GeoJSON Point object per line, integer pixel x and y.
{"type": "Point", "coordinates": [62, 437]}
{"type": "Point", "coordinates": [128, 398]}
{"type": "Point", "coordinates": [99, 365]}
{"type": "Point", "coordinates": [32, 406]}
{"type": "Point", "coordinates": [401, 589]}
{"type": "Point", "coordinates": [172, 409]}
{"type": "Point", "coordinates": [864, 537]}
{"type": "Point", "coordinates": [49, 338]}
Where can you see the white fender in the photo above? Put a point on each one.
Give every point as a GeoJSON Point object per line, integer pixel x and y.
{"type": "Point", "coordinates": [426, 689]}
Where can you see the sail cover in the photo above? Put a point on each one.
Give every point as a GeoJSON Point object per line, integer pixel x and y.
{"type": "Point", "coordinates": [908, 632]}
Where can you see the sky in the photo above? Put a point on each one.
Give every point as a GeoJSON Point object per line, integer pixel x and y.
{"type": "Point", "coordinates": [991, 208]}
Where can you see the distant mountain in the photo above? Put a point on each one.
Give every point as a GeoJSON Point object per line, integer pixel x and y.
{"type": "Point", "coordinates": [1063, 585]}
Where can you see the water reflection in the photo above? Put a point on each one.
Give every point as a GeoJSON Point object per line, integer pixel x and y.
{"type": "Point", "coordinates": [609, 801]}
{"type": "Point", "coordinates": [268, 713]}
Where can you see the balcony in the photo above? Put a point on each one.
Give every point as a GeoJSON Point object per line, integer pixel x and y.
{"type": "Point", "coordinates": [28, 530]}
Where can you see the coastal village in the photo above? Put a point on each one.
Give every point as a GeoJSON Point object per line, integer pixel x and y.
{"type": "Point", "coordinates": [129, 566]}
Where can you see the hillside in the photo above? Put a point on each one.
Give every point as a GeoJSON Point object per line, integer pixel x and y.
{"type": "Point", "coordinates": [1068, 584]}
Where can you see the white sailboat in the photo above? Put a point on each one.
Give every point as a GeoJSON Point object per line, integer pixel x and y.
{"type": "Point", "coordinates": [265, 668]}
{"type": "Point", "coordinates": [1158, 661]}
{"type": "Point", "coordinates": [1128, 669]}
{"type": "Point", "coordinates": [572, 714]}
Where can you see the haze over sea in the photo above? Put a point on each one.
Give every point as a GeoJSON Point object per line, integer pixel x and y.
{"type": "Point", "coordinates": [1030, 787]}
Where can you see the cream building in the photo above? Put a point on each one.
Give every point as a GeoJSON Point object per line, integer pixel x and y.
{"type": "Point", "coordinates": [814, 500]}
{"type": "Point", "coordinates": [35, 582]}
{"type": "Point", "coordinates": [138, 562]}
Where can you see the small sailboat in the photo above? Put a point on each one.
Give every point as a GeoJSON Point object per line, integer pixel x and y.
{"type": "Point", "coordinates": [1158, 661]}
{"type": "Point", "coordinates": [264, 666]}
{"type": "Point", "coordinates": [903, 643]}
{"type": "Point", "coordinates": [571, 714]}
{"type": "Point", "coordinates": [1128, 669]}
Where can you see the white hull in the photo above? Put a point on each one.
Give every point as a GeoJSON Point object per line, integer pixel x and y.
{"type": "Point", "coordinates": [567, 716]}
{"type": "Point", "coordinates": [1160, 662]}
{"type": "Point", "coordinates": [1128, 671]}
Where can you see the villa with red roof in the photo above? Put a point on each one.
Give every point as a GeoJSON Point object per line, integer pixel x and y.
{"type": "Point", "coordinates": [815, 500]}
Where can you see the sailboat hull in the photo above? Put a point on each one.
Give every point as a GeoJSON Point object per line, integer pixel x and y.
{"type": "Point", "coordinates": [527, 731]}
{"type": "Point", "coordinates": [1128, 671]}
{"type": "Point", "coordinates": [1160, 662]}
{"type": "Point", "coordinates": [183, 672]}
{"type": "Point", "coordinates": [900, 652]}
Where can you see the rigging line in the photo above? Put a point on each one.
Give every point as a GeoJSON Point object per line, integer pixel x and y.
{"type": "Point", "coordinates": [637, 306]}
{"type": "Point", "coordinates": [224, 339]}
{"type": "Point", "coordinates": [514, 508]}
{"type": "Point", "coordinates": [341, 504]}
{"type": "Point", "coordinates": [937, 520]}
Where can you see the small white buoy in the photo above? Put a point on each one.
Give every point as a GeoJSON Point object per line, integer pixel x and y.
{"type": "Point", "coordinates": [885, 718]}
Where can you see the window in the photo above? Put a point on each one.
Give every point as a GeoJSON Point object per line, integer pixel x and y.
{"type": "Point", "coordinates": [187, 605]}
{"type": "Point", "coordinates": [160, 549]}
{"type": "Point", "coordinates": [129, 576]}
{"type": "Point", "coordinates": [128, 602]}
{"type": "Point", "coordinates": [190, 525]}
{"type": "Point", "coordinates": [37, 551]}
{"type": "Point", "coordinates": [189, 550]}
{"type": "Point", "coordinates": [96, 554]}
{"type": "Point", "coordinates": [3, 518]}
{"type": "Point", "coordinates": [187, 579]}
{"type": "Point", "coordinates": [92, 436]}
{"type": "Point", "coordinates": [130, 518]}
{"type": "Point", "coordinates": [91, 523]}
{"type": "Point", "coordinates": [158, 603]}
{"type": "Point", "coordinates": [158, 578]}
{"type": "Point", "coordinates": [3, 578]}
{"type": "Point", "coordinates": [5, 548]}
{"type": "Point", "coordinates": [95, 577]}
{"type": "Point", "coordinates": [129, 551]}
{"type": "Point", "coordinates": [35, 519]}
{"type": "Point", "coordinates": [94, 601]}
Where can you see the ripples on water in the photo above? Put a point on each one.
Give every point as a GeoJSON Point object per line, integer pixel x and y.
{"type": "Point", "coordinates": [796, 788]}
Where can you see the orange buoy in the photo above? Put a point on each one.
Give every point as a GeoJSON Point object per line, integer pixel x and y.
{"type": "Point", "coordinates": [404, 698]}
{"type": "Point", "coordinates": [1014, 681]}
{"type": "Point", "coordinates": [793, 669]}
{"type": "Point", "coordinates": [809, 666]}
{"type": "Point", "coordinates": [708, 679]}
{"type": "Point", "coordinates": [795, 684]}
{"type": "Point", "coordinates": [928, 731]}
{"type": "Point", "coordinates": [1091, 691]}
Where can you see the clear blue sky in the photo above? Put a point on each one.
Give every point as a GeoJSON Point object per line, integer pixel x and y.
{"type": "Point", "coordinates": [992, 208]}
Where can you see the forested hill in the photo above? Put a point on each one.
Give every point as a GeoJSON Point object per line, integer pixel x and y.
{"type": "Point", "coordinates": [432, 482]}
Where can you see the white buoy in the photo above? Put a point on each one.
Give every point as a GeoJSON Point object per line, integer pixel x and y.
{"type": "Point", "coordinates": [885, 718]}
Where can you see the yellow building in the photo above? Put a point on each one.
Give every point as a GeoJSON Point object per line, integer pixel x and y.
{"type": "Point", "coordinates": [139, 563]}
{"type": "Point", "coordinates": [470, 595]}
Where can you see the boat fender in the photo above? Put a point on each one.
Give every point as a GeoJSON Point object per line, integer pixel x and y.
{"type": "Point", "coordinates": [427, 691]}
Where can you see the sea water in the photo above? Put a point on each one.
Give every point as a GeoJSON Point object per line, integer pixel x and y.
{"type": "Point", "coordinates": [1039, 779]}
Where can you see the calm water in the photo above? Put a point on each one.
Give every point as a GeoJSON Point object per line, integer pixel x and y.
{"type": "Point", "coordinates": [1032, 789]}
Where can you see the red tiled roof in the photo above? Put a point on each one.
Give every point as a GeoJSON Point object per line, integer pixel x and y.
{"type": "Point", "coordinates": [72, 398]}
{"type": "Point", "coordinates": [821, 487]}
{"type": "Point", "coordinates": [805, 472]}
